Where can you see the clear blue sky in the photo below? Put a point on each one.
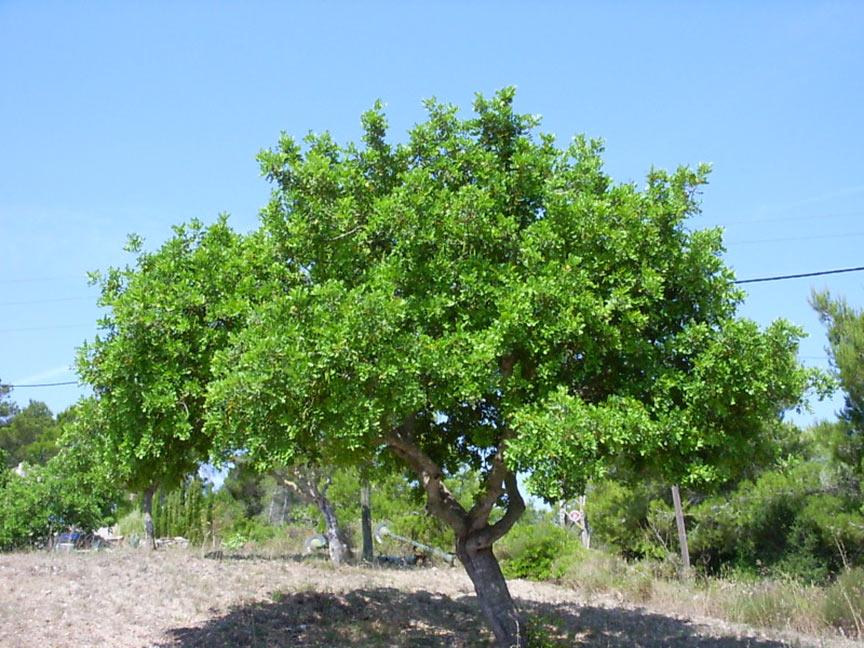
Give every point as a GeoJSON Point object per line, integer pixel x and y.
{"type": "Point", "coordinates": [131, 117]}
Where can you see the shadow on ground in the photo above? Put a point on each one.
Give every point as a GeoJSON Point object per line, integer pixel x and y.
{"type": "Point", "coordinates": [383, 616]}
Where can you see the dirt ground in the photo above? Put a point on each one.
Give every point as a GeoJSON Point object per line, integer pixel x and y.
{"type": "Point", "coordinates": [174, 597]}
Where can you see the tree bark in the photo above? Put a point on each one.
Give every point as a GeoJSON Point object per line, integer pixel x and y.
{"type": "Point", "coordinates": [492, 593]}
{"type": "Point", "coordinates": [147, 508]}
{"type": "Point", "coordinates": [682, 530]}
{"type": "Point", "coordinates": [337, 546]}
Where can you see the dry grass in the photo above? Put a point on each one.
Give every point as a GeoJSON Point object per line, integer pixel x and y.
{"type": "Point", "coordinates": [125, 598]}
{"type": "Point", "coordinates": [787, 606]}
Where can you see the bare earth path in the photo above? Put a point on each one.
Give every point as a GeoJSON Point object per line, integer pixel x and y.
{"type": "Point", "coordinates": [176, 598]}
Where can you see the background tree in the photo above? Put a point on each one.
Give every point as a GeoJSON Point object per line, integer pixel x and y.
{"type": "Point", "coordinates": [246, 485]}
{"type": "Point", "coordinates": [167, 315]}
{"type": "Point", "coordinates": [185, 511]}
{"type": "Point", "coordinates": [479, 297]}
{"type": "Point", "coordinates": [30, 435]}
{"type": "Point", "coordinates": [845, 326]}
{"type": "Point", "coordinates": [7, 407]}
{"type": "Point", "coordinates": [312, 483]}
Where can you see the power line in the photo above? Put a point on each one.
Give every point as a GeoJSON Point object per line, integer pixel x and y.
{"type": "Point", "coordinates": [799, 276]}
{"type": "Point", "coordinates": [43, 301]}
{"type": "Point", "coordinates": [45, 328]}
{"type": "Point", "coordinates": [32, 279]}
{"type": "Point", "coordinates": [797, 238]}
{"type": "Point", "coordinates": [787, 219]}
{"type": "Point", "coordinates": [57, 384]}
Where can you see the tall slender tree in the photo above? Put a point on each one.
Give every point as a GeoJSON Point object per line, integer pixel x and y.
{"type": "Point", "coordinates": [845, 327]}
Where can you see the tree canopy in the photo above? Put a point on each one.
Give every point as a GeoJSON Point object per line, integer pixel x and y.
{"type": "Point", "coordinates": [490, 290]}
{"type": "Point", "coordinates": [167, 315]}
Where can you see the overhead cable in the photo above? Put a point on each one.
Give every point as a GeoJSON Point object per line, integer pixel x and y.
{"type": "Point", "coordinates": [798, 276]}
{"type": "Point", "coordinates": [56, 384]}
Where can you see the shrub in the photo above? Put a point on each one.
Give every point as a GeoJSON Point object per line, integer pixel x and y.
{"type": "Point", "coordinates": [131, 524]}
{"type": "Point", "coordinates": [540, 551]}
{"type": "Point", "coordinates": [782, 525]}
{"type": "Point", "coordinates": [251, 530]}
{"type": "Point", "coordinates": [68, 491]}
{"type": "Point", "coordinates": [631, 519]}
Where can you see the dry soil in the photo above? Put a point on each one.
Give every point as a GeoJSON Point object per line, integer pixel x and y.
{"type": "Point", "coordinates": [175, 597]}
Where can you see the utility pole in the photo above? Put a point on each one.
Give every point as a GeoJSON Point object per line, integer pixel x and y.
{"type": "Point", "coordinates": [682, 531]}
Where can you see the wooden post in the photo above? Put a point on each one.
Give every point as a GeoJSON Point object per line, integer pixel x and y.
{"type": "Point", "coordinates": [366, 519]}
{"type": "Point", "coordinates": [682, 531]}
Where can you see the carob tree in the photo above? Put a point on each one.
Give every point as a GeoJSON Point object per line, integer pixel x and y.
{"type": "Point", "coordinates": [476, 295]}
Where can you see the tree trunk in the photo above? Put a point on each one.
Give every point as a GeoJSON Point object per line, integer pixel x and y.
{"type": "Point", "coordinates": [336, 543]}
{"type": "Point", "coordinates": [585, 530]}
{"type": "Point", "coordinates": [492, 593]}
{"type": "Point", "coordinates": [682, 530]}
{"type": "Point", "coordinates": [366, 519]}
{"type": "Point", "coordinates": [311, 484]}
{"type": "Point", "coordinates": [147, 508]}
{"type": "Point", "coordinates": [474, 535]}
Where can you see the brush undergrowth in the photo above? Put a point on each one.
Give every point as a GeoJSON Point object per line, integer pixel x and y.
{"type": "Point", "coordinates": [777, 604]}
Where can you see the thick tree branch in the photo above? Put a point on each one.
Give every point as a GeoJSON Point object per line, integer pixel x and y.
{"type": "Point", "coordinates": [479, 513]}
{"type": "Point", "coordinates": [440, 500]}
{"type": "Point", "coordinates": [515, 509]}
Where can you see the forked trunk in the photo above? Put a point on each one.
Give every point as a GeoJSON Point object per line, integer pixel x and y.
{"type": "Point", "coordinates": [492, 594]}
{"type": "Point", "coordinates": [147, 508]}
{"type": "Point", "coordinates": [474, 535]}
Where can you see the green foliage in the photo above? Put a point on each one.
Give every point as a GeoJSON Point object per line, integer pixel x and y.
{"type": "Point", "coordinates": [246, 485]}
{"type": "Point", "coordinates": [477, 279]}
{"type": "Point", "coordinates": [845, 326]}
{"type": "Point", "coordinates": [792, 511]}
{"type": "Point", "coordinates": [5, 472]}
{"type": "Point", "coordinates": [150, 367]}
{"type": "Point", "coordinates": [7, 407]}
{"type": "Point", "coordinates": [247, 530]}
{"type": "Point", "coordinates": [29, 435]}
{"type": "Point", "coordinates": [786, 523]}
{"type": "Point", "coordinates": [621, 517]}
{"type": "Point", "coordinates": [73, 489]}
{"type": "Point", "coordinates": [538, 551]}
{"type": "Point", "coordinates": [185, 511]}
